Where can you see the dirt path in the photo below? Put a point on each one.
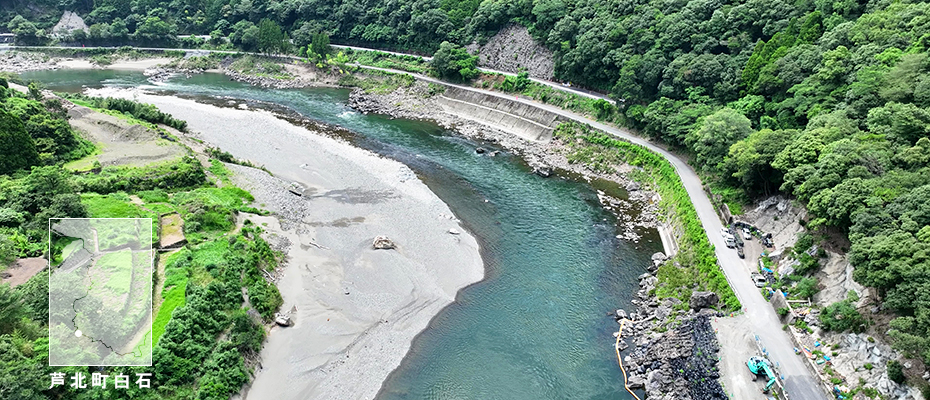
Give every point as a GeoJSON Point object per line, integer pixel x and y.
{"type": "Point", "coordinates": [736, 346]}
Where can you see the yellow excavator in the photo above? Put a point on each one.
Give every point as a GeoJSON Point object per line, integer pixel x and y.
{"type": "Point", "coordinates": [760, 366]}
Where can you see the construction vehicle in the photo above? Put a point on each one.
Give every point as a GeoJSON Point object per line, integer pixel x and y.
{"type": "Point", "coordinates": [759, 366]}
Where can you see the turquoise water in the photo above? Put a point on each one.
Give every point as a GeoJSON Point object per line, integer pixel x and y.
{"type": "Point", "coordinates": [536, 327]}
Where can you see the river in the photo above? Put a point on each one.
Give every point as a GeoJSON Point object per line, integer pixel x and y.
{"type": "Point", "coordinates": [536, 327]}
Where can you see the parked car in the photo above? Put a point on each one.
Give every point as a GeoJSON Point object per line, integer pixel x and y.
{"type": "Point", "coordinates": [746, 234]}
{"type": "Point", "coordinates": [758, 279]}
{"type": "Point", "coordinates": [731, 241]}
{"type": "Point", "coordinates": [739, 251]}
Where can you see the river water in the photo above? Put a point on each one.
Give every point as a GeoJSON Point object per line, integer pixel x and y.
{"type": "Point", "coordinates": [536, 327]}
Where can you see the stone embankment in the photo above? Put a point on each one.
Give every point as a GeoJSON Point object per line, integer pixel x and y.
{"type": "Point", "coordinates": [528, 122]}
{"type": "Point", "coordinates": [674, 348]}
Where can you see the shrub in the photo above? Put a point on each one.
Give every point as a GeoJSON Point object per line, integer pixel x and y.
{"type": "Point", "coordinates": [807, 288]}
{"type": "Point", "coordinates": [842, 316]}
{"type": "Point", "coordinates": [896, 371]}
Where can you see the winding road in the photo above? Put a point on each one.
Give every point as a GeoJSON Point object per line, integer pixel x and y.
{"type": "Point", "coordinates": [798, 382]}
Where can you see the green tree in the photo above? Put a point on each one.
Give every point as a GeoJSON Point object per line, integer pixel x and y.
{"type": "Point", "coordinates": [750, 160]}
{"type": "Point", "coordinates": [26, 32]}
{"type": "Point", "coordinates": [717, 132]}
{"type": "Point", "coordinates": [842, 316]}
{"type": "Point", "coordinates": [271, 39]}
{"type": "Point", "coordinates": [454, 63]}
{"type": "Point", "coordinates": [11, 308]}
{"type": "Point", "coordinates": [17, 149]}
{"type": "Point", "coordinates": [153, 31]}
{"type": "Point", "coordinates": [320, 45]}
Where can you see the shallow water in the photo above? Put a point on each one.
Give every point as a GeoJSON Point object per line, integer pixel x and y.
{"type": "Point", "coordinates": [536, 327]}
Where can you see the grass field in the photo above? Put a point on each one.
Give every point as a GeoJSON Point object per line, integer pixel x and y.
{"type": "Point", "coordinates": [116, 205]}
{"type": "Point", "coordinates": [175, 284]}
{"type": "Point", "coordinates": [118, 266]}
{"type": "Point", "coordinates": [174, 298]}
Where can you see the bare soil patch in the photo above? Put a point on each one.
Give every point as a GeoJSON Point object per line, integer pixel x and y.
{"type": "Point", "coordinates": [172, 232]}
{"type": "Point", "coordinates": [122, 142]}
{"type": "Point", "coordinates": [22, 270]}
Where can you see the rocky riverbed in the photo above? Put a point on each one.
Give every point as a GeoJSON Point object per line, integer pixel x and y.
{"type": "Point", "coordinates": [674, 349]}
{"type": "Point", "coordinates": [15, 61]}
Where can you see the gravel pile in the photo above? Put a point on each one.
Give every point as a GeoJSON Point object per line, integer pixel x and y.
{"type": "Point", "coordinates": [271, 192]}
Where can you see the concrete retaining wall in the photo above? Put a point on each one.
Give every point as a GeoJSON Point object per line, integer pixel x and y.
{"type": "Point", "coordinates": [523, 120]}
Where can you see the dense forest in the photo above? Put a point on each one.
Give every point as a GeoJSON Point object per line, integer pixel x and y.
{"type": "Point", "coordinates": [826, 101]}
{"type": "Point", "coordinates": [204, 283]}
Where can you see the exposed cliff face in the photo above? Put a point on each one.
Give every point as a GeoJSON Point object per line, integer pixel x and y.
{"type": "Point", "coordinates": [69, 22]}
{"type": "Point", "coordinates": [513, 49]}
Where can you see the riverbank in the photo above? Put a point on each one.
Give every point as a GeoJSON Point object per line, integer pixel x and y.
{"type": "Point", "coordinates": [418, 102]}
{"type": "Point", "coordinates": [355, 309]}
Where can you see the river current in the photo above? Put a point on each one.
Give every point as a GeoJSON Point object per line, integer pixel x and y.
{"type": "Point", "coordinates": [537, 326]}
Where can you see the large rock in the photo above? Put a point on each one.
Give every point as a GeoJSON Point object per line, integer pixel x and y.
{"type": "Point", "coordinates": [636, 382]}
{"type": "Point", "coordinates": [383, 243]}
{"type": "Point", "coordinates": [649, 283]}
{"type": "Point", "coordinates": [282, 320]}
{"type": "Point", "coordinates": [701, 300]}
{"type": "Point", "coordinates": [621, 314]}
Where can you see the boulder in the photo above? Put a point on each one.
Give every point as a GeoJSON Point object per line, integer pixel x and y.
{"type": "Point", "coordinates": [700, 300]}
{"type": "Point", "coordinates": [544, 172]}
{"type": "Point", "coordinates": [636, 382]}
{"type": "Point", "coordinates": [649, 283]}
{"type": "Point", "coordinates": [620, 314]}
{"type": "Point", "coordinates": [282, 320]}
{"type": "Point", "coordinates": [453, 231]}
{"type": "Point", "coordinates": [383, 243]}
{"type": "Point", "coordinates": [662, 313]}
{"type": "Point", "coordinates": [671, 302]}
{"type": "Point", "coordinates": [632, 186]}
{"type": "Point", "coordinates": [481, 150]}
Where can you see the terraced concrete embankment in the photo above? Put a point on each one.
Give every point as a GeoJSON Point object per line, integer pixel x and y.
{"type": "Point", "coordinates": [523, 120]}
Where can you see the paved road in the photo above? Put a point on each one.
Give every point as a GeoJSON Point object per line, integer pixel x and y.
{"type": "Point", "coordinates": [798, 381]}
